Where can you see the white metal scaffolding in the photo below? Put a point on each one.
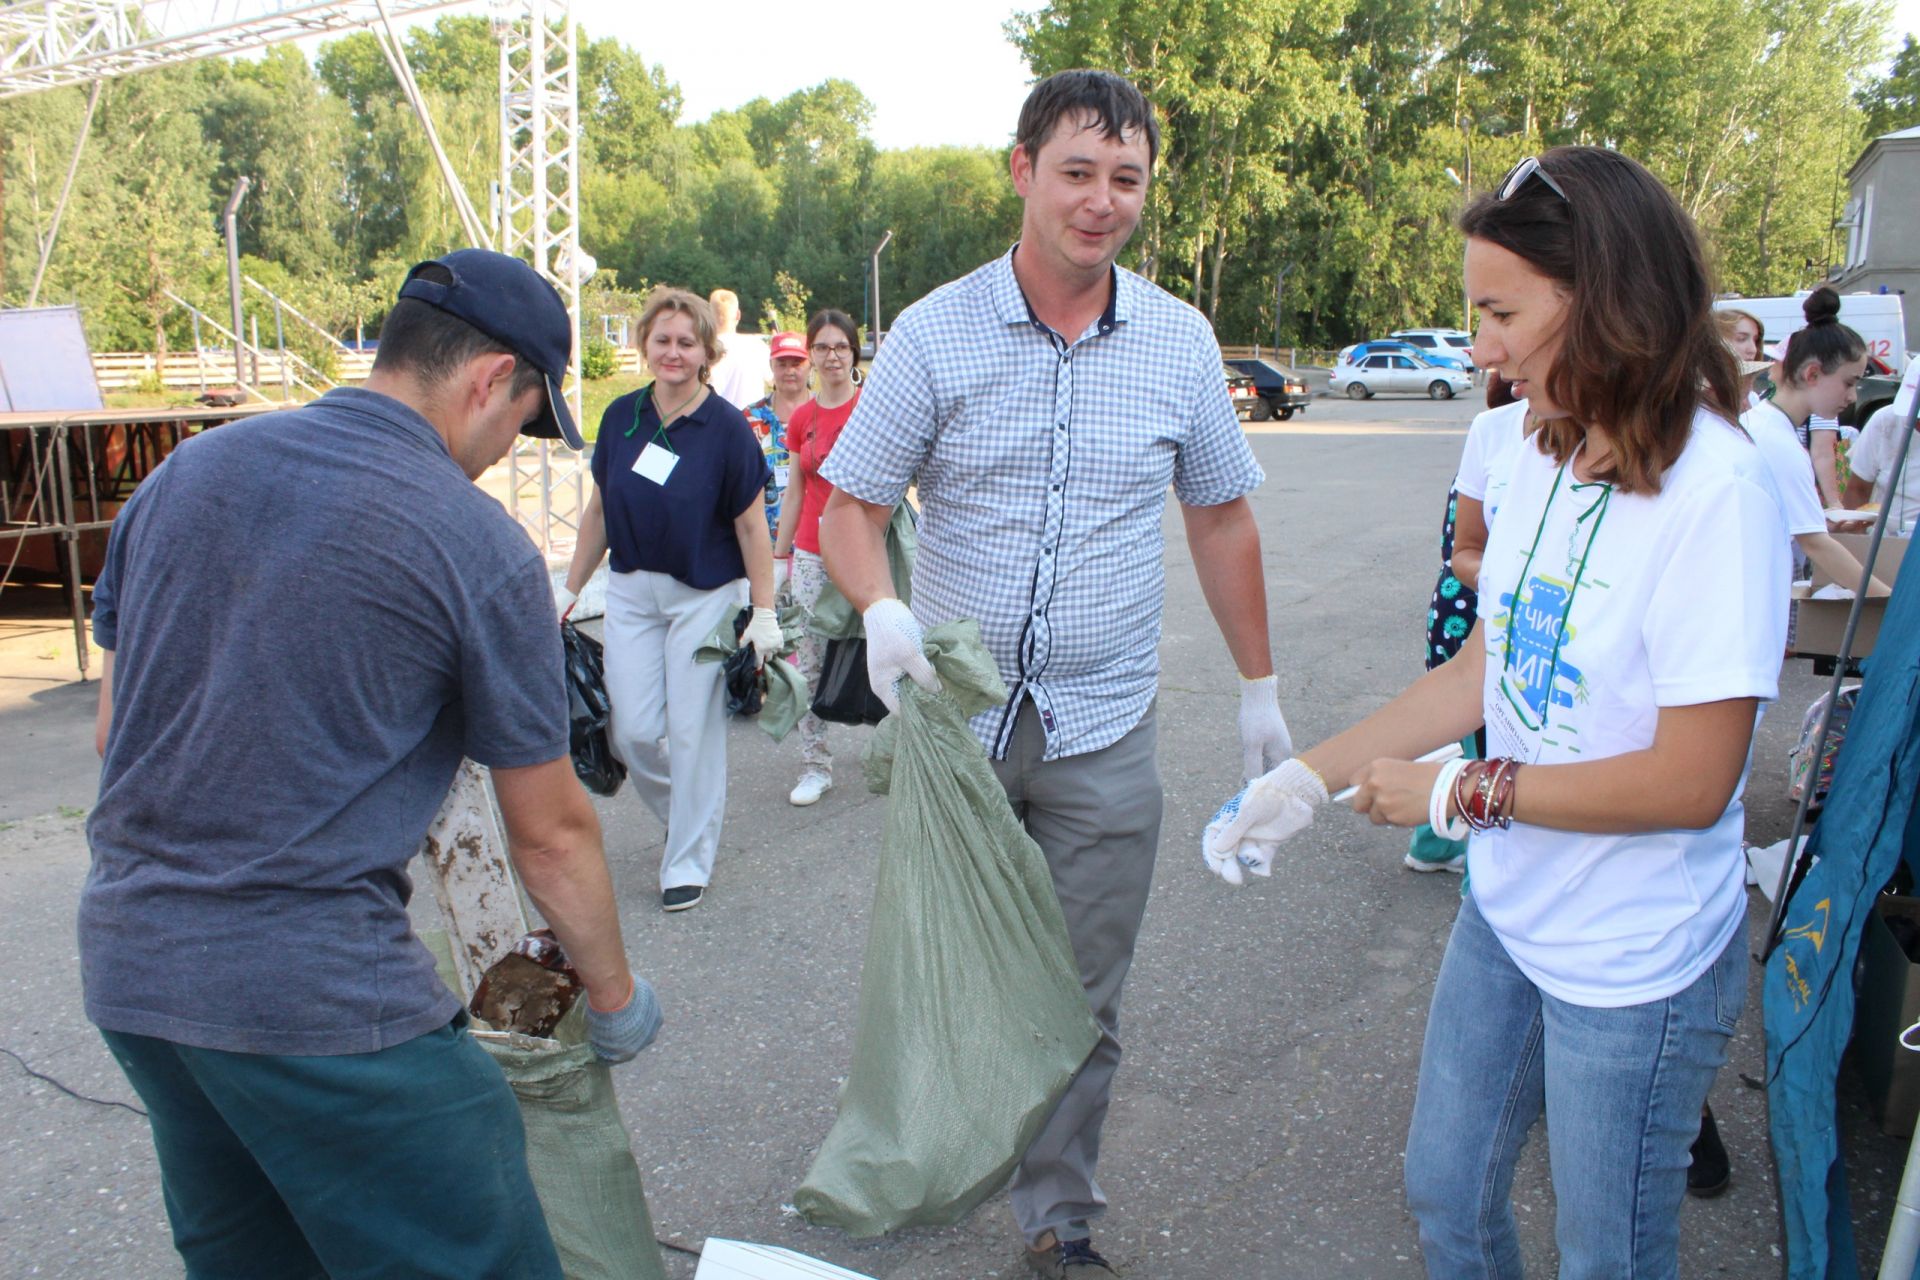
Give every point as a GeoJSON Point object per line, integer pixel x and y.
{"type": "Point", "coordinates": [539, 219]}
{"type": "Point", "coordinates": [45, 44]}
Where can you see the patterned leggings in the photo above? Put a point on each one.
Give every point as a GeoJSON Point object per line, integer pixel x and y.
{"type": "Point", "coordinates": [809, 577]}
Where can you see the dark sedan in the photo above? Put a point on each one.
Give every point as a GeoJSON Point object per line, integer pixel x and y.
{"type": "Point", "coordinates": [1281, 394]}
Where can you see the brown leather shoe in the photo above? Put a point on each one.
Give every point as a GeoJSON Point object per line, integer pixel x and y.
{"type": "Point", "coordinates": [1068, 1260]}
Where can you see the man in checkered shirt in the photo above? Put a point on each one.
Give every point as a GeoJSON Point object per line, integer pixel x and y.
{"type": "Point", "coordinates": [1042, 405]}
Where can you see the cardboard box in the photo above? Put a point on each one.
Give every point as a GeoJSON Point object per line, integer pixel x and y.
{"type": "Point", "coordinates": [1822, 623]}
{"type": "Point", "coordinates": [1889, 1004]}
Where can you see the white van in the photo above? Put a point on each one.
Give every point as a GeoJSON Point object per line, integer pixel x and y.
{"type": "Point", "coordinates": [1876, 317]}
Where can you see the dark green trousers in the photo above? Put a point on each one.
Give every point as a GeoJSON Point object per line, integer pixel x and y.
{"type": "Point", "coordinates": [409, 1162]}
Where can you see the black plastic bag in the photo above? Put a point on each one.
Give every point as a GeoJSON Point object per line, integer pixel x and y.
{"type": "Point", "coordinates": [589, 711]}
{"type": "Point", "coordinates": [842, 694]}
{"type": "Point", "coordinates": [746, 689]}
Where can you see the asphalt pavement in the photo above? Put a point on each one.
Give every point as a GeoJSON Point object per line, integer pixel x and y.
{"type": "Point", "coordinates": [1272, 1032]}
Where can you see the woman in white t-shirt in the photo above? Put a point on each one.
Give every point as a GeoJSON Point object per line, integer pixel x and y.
{"type": "Point", "coordinates": [1821, 367]}
{"type": "Point", "coordinates": [1629, 627]}
{"type": "Point", "coordinates": [1748, 339]}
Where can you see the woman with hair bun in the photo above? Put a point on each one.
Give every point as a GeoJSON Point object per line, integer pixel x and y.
{"type": "Point", "coordinates": [1819, 370]}
{"type": "Point", "coordinates": [679, 482]}
{"type": "Point", "coordinates": [1629, 627]}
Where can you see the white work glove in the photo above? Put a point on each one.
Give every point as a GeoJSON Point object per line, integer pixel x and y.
{"type": "Point", "coordinates": [1264, 740]}
{"type": "Point", "coordinates": [895, 648]}
{"type": "Point", "coordinates": [620, 1034]}
{"type": "Point", "coordinates": [764, 634]}
{"type": "Point", "coordinates": [1249, 828]}
{"type": "Point", "coordinates": [782, 573]}
{"type": "Point", "coordinates": [564, 599]}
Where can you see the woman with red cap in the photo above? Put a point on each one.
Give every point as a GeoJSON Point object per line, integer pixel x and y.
{"type": "Point", "coordinates": [769, 416]}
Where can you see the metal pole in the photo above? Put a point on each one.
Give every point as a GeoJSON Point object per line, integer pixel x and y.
{"type": "Point", "coordinates": [229, 219]}
{"type": "Point", "coordinates": [60, 208]}
{"type": "Point", "coordinates": [280, 341]}
{"type": "Point", "coordinates": [1790, 868]}
{"type": "Point", "coordinates": [199, 353]}
{"type": "Point", "coordinates": [878, 249]}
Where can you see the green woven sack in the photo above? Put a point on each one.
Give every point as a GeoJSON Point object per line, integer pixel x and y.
{"type": "Point", "coordinates": [972, 1021]}
{"type": "Point", "coordinates": [578, 1153]}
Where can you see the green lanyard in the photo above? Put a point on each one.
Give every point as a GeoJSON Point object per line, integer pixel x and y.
{"type": "Point", "coordinates": [659, 429]}
{"type": "Point", "coordinates": [1599, 513]}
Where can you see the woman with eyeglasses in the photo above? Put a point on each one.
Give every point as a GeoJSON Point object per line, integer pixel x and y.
{"type": "Point", "coordinates": [1629, 627]}
{"type": "Point", "coordinates": [833, 341]}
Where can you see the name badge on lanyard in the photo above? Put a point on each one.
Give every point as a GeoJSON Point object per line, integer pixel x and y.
{"type": "Point", "coordinates": [656, 463]}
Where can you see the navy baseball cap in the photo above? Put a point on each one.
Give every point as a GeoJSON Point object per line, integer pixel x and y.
{"type": "Point", "coordinates": [506, 299]}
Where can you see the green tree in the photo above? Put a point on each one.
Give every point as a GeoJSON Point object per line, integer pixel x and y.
{"type": "Point", "coordinates": [1893, 101]}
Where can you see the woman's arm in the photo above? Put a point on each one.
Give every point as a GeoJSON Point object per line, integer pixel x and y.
{"type": "Point", "coordinates": [750, 530]}
{"type": "Point", "coordinates": [790, 499]}
{"type": "Point", "coordinates": [1440, 707]}
{"type": "Point", "coordinates": [1838, 563]}
{"type": "Point", "coordinates": [590, 546]}
{"type": "Point", "coordinates": [1684, 780]}
{"type": "Point", "coordinates": [1469, 539]}
{"type": "Point", "coordinates": [1826, 467]}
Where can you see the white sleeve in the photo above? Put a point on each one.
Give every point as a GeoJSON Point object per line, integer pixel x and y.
{"type": "Point", "coordinates": [1716, 623]}
{"type": "Point", "coordinates": [1471, 482]}
{"type": "Point", "coordinates": [1866, 456]}
{"type": "Point", "coordinates": [1791, 470]}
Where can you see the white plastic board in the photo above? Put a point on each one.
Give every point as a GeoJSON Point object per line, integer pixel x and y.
{"type": "Point", "coordinates": [738, 1260]}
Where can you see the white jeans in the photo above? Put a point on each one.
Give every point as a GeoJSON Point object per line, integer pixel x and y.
{"type": "Point", "coordinates": [671, 712]}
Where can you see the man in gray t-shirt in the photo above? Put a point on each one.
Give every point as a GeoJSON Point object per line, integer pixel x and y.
{"type": "Point", "coordinates": [309, 618]}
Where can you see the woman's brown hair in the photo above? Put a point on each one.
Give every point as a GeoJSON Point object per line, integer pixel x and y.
{"type": "Point", "coordinates": [1639, 350]}
{"type": "Point", "coordinates": [694, 308]}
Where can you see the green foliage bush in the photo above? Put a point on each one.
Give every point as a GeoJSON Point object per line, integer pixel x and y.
{"type": "Point", "coordinates": [598, 360]}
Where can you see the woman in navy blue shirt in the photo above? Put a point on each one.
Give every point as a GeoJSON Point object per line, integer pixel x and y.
{"type": "Point", "coordinates": [678, 483]}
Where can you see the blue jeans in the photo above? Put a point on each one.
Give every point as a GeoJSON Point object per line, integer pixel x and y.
{"type": "Point", "coordinates": [1621, 1090]}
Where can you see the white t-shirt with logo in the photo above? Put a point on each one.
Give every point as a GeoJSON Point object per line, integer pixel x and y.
{"type": "Point", "coordinates": [1789, 469]}
{"type": "Point", "coordinates": [1486, 461]}
{"type": "Point", "coordinates": [1633, 602]}
{"type": "Point", "coordinates": [1872, 460]}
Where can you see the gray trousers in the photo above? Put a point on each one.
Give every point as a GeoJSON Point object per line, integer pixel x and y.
{"type": "Point", "coordinates": [1097, 819]}
{"type": "Point", "coordinates": [669, 722]}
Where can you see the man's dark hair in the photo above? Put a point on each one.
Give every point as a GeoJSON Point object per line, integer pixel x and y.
{"type": "Point", "coordinates": [432, 345]}
{"type": "Point", "coordinates": [1116, 105]}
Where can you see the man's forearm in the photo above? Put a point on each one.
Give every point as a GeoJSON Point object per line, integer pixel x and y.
{"type": "Point", "coordinates": [1225, 542]}
{"type": "Point", "coordinates": [853, 542]}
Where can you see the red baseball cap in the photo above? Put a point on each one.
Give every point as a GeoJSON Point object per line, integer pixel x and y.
{"type": "Point", "coordinates": [787, 346]}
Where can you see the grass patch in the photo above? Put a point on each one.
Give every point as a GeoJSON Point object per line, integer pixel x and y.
{"type": "Point", "coordinates": [68, 811]}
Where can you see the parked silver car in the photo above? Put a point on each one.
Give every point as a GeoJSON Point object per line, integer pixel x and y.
{"type": "Point", "coordinates": [1385, 372]}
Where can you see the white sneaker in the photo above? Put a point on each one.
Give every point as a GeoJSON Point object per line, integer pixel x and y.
{"type": "Point", "coordinates": [812, 785]}
{"type": "Point", "coordinates": [1456, 865]}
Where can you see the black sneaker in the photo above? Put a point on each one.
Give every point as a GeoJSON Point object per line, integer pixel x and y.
{"type": "Point", "coordinates": [682, 897]}
{"type": "Point", "coordinates": [1710, 1172]}
{"type": "Point", "coordinates": [1068, 1260]}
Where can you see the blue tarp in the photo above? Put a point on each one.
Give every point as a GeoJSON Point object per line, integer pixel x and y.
{"type": "Point", "coordinates": [1809, 989]}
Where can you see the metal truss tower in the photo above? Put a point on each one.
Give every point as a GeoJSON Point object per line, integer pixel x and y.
{"type": "Point", "coordinates": [538, 214]}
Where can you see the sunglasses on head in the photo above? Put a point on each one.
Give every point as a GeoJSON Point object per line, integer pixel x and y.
{"type": "Point", "coordinates": [1528, 168]}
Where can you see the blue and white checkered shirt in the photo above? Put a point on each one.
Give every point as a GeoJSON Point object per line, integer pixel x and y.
{"type": "Point", "coordinates": [1042, 467]}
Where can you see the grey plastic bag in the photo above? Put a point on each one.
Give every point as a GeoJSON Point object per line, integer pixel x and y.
{"type": "Point", "coordinates": [972, 1020]}
{"type": "Point", "coordinates": [578, 1153]}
